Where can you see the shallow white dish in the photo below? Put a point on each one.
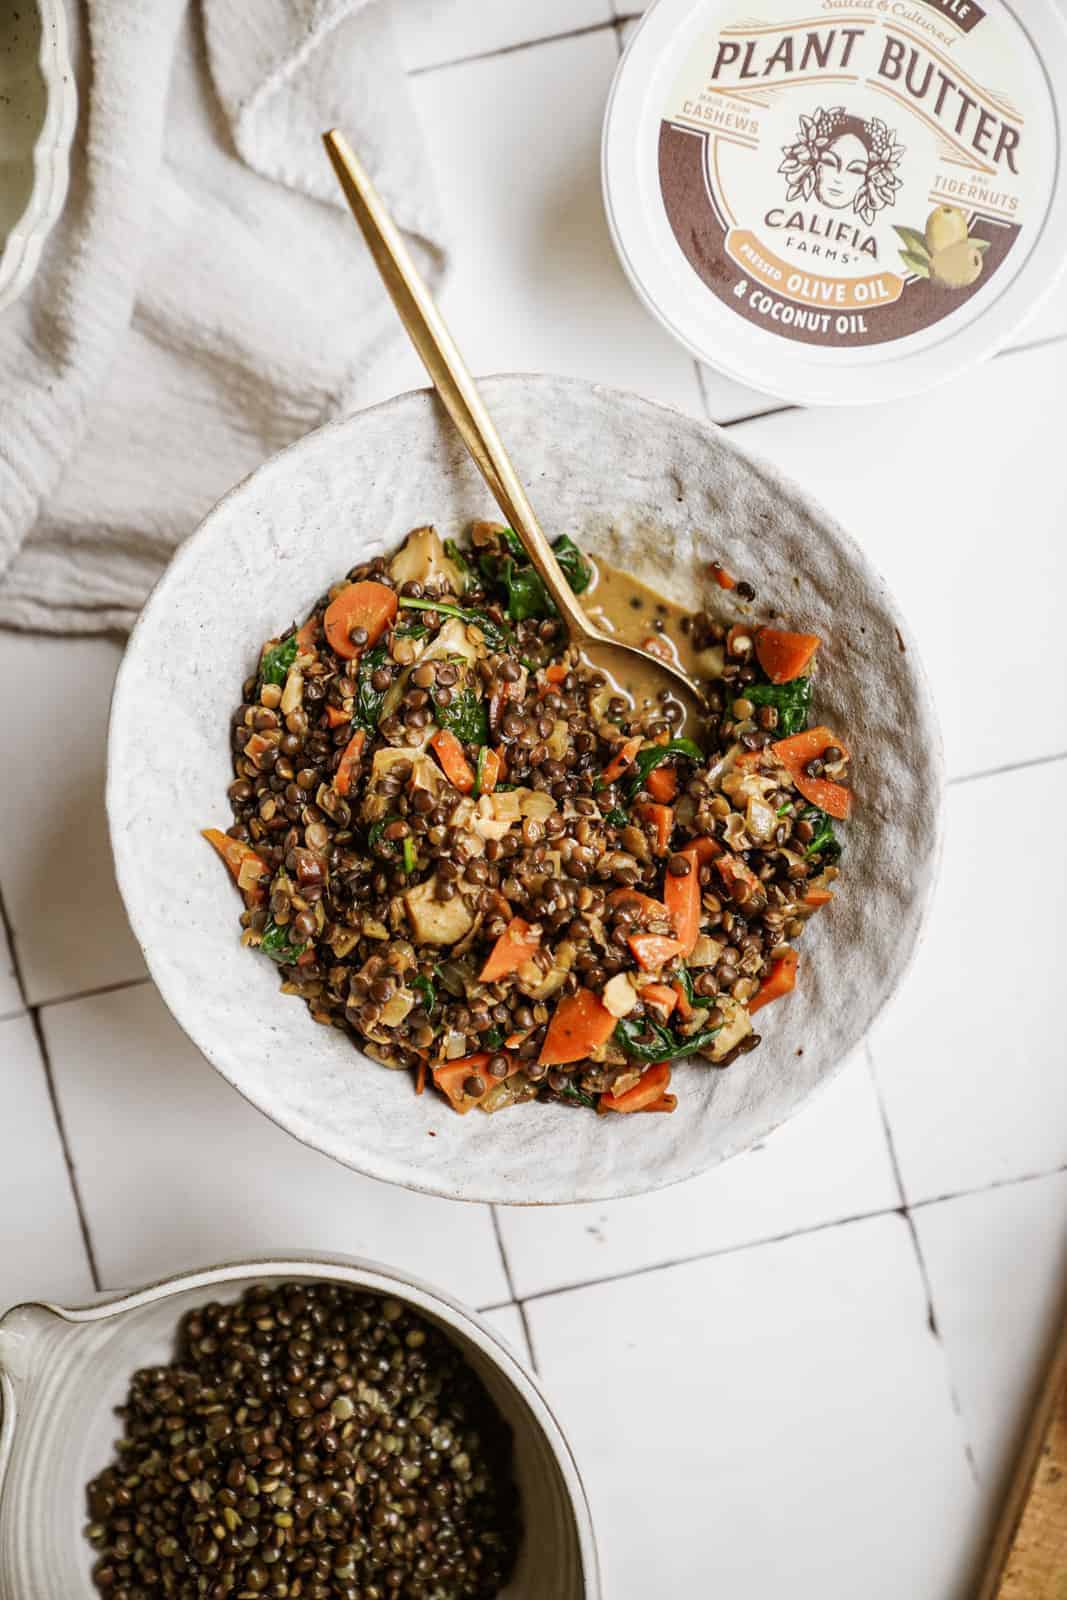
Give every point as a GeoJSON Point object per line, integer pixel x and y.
{"type": "Point", "coordinates": [38, 109]}
{"type": "Point", "coordinates": [62, 1372]}
{"type": "Point", "coordinates": [653, 491]}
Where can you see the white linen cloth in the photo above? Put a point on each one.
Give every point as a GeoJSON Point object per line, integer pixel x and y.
{"type": "Point", "coordinates": [206, 297]}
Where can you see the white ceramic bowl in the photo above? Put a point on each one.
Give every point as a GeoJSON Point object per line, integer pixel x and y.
{"type": "Point", "coordinates": [62, 1372]}
{"type": "Point", "coordinates": [657, 493]}
{"type": "Point", "coordinates": [38, 110]}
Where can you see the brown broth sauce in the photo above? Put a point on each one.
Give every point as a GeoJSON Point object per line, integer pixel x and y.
{"type": "Point", "coordinates": [629, 610]}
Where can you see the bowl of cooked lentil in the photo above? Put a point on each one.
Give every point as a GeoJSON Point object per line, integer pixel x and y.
{"type": "Point", "coordinates": [304, 1428]}
{"type": "Point", "coordinates": [456, 907]}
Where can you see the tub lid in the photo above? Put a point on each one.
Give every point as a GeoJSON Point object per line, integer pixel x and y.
{"type": "Point", "coordinates": [840, 200]}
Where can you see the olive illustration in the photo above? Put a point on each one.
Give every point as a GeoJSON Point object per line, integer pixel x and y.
{"type": "Point", "coordinates": [959, 265]}
{"type": "Point", "coordinates": [946, 226]}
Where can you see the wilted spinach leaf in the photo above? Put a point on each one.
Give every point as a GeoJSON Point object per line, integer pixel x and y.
{"type": "Point", "coordinates": [576, 569]}
{"type": "Point", "coordinates": [276, 660]}
{"type": "Point", "coordinates": [825, 842]}
{"type": "Point", "coordinates": [367, 706]}
{"type": "Point", "coordinates": [574, 1096]}
{"type": "Point", "coordinates": [425, 988]}
{"type": "Point", "coordinates": [647, 759]}
{"type": "Point", "coordinates": [460, 562]}
{"type": "Point", "coordinates": [496, 636]}
{"type": "Point", "coordinates": [277, 943]}
{"type": "Point", "coordinates": [792, 701]}
{"type": "Point", "coordinates": [665, 1045]}
{"type": "Point", "coordinates": [465, 716]}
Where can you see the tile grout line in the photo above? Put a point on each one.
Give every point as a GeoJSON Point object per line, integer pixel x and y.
{"type": "Point", "coordinates": [1010, 766]}
{"type": "Point", "coordinates": [903, 1210]}
{"type": "Point", "coordinates": [33, 1012]}
{"type": "Point", "coordinates": [894, 1160]}
{"type": "Point", "coordinates": [513, 49]}
{"type": "Point", "coordinates": [935, 1333]}
{"type": "Point", "coordinates": [57, 1113]}
{"type": "Point", "coordinates": [920, 1259]}
{"type": "Point", "coordinates": [515, 1301]}
{"type": "Point", "coordinates": [91, 994]}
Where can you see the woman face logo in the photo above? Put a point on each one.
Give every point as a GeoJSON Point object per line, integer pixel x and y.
{"type": "Point", "coordinates": [842, 171]}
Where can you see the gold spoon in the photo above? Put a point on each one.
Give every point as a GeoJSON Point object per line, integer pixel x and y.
{"type": "Point", "coordinates": [453, 382]}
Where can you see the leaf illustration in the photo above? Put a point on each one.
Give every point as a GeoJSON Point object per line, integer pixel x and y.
{"type": "Point", "coordinates": [917, 264]}
{"type": "Point", "coordinates": [914, 242]}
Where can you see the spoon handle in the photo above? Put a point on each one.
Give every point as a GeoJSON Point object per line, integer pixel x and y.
{"type": "Point", "coordinates": [449, 373]}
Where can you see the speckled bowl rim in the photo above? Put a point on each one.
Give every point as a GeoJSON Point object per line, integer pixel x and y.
{"type": "Point", "coordinates": [20, 253]}
{"type": "Point", "coordinates": [360, 1273]}
{"type": "Point", "coordinates": [309, 1129]}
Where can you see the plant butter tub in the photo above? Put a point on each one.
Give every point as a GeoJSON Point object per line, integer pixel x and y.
{"type": "Point", "coordinates": [846, 201]}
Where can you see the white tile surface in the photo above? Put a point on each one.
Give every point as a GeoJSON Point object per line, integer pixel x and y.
{"type": "Point", "coordinates": [177, 1171]}
{"type": "Point", "coordinates": [960, 500]}
{"type": "Point", "coordinates": [507, 1321]}
{"type": "Point", "coordinates": [772, 1421]}
{"type": "Point", "coordinates": [434, 31]}
{"type": "Point", "coordinates": [535, 284]}
{"type": "Point", "coordinates": [997, 1264]}
{"type": "Point", "coordinates": [970, 1057]}
{"type": "Point", "coordinates": [10, 994]}
{"type": "Point", "coordinates": [55, 860]}
{"type": "Point", "coordinates": [42, 1255]}
{"type": "Point", "coordinates": [830, 1162]}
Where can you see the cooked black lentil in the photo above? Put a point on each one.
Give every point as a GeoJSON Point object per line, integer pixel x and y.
{"type": "Point", "coordinates": [414, 796]}
{"type": "Point", "coordinates": [311, 1442]}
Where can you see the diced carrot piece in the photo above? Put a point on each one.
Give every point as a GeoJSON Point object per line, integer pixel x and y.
{"type": "Point", "coordinates": [652, 1086]}
{"type": "Point", "coordinates": [457, 768]}
{"type": "Point", "coordinates": [420, 1078]}
{"type": "Point", "coordinates": [780, 980]}
{"type": "Point", "coordinates": [705, 849]}
{"type": "Point", "coordinates": [623, 758]}
{"type": "Point", "coordinates": [579, 1024]}
{"type": "Point", "coordinates": [817, 898]}
{"type": "Point", "coordinates": [643, 904]}
{"type": "Point", "coordinates": [492, 766]}
{"type": "Point", "coordinates": [241, 859]}
{"type": "Point", "coordinates": [652, 951]}
{"type": "Point", "coordinates": [367, 605]}
{"type": "Point", "coordinates": [804, 747]}
{"type": "Point", "coordinates": [738, 634]}
{"type": "Point", "coordinates": [662, 784]}
{"type": "Point", "coordinates": [660, 995]}
{"type": "Point", "coordinates": [795, 753]}
{"type": "Point", "coordinates": [666, 1102]}
{"type": "Point", "coordinates": [336, 718]}
{"type": "Point", "coordinates": [342, 778]}
{"type": "Point", "coordinates": [307, 636]}
{"type": "Point", "coordinates": [450, 1076]}
{"type": "Point", "coordinates": [833, 798]}
{"type": "Point", "coordinates": [785, 656]}
{"type": "Point", "coordinates": [556, 672]}
{"type": "Point", "coordinates": [724, 579]}
{"type": "Point", "coordinates": [663, 818]}
{"type": "Point", "coordinates": [515, 946]}
{"type": "Point", "coordinates": [682, 896]}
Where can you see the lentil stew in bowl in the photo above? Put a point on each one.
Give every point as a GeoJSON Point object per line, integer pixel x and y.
{"type": "Point", "coordinates": [502, 872]}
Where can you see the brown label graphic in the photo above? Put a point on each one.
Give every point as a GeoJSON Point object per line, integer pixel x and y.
{"type": "Point", "coordinates": [834, 175]}
{"type": "Point", "coordinates": [966, 14]}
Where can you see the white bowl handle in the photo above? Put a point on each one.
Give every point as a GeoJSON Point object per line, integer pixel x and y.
{"type": "Point", "coordinates": [23, 1336]}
